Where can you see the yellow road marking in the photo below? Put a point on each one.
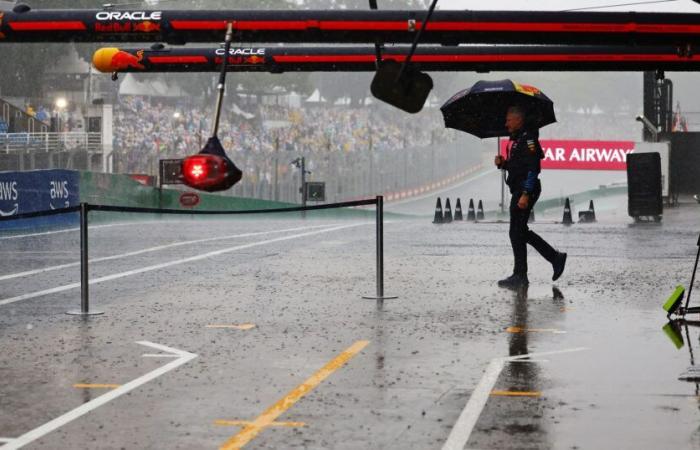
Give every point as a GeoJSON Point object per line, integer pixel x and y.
{"type": "Point", "coordinates": [95, 386]}
{"type": "Point", "coordinates": [533, 330]}
{"type": "Point", "coordinates": [516, 393]}
{"type": "Point", "coordinates": [249, 432]}
{"type": "Point", "coordinates": [565, 309]}
{"type": "Point", "coordinates": [244, 423]}
{"type": "Point", "coordinates": [244, 327]}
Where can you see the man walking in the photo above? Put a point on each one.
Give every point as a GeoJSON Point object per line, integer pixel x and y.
{"type": "Point", "coordinates": [523, 167]}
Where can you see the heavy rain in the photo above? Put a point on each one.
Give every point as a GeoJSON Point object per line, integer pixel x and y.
{"type": "Point", "coordinates": [349, 224]}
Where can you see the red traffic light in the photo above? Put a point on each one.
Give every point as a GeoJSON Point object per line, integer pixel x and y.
{"type": "Point", "coordinates": [209, 172]}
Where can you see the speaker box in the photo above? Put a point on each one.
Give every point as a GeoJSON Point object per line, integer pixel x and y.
{"type": "Point", "coordinates": [408, 92]}
{"type": "Point", "coordinates": [644, 185]}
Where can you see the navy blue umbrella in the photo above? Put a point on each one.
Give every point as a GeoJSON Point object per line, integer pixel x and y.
{"type": "Point", "coordinates": [481, 109]}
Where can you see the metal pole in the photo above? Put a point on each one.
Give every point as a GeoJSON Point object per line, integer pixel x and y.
{"type": "Point", "coordinates": [380, 246]}
{"type": "Point", "coordinates": [692, 278]}
{"type": "Point", "coordinates": [303, 186]}
{"type": "Point", "coordinates": [371, 163]}
{"type": "Point", "coordinates": [222, 78]}
{"type": "Point", "coordinates": [84, 274]}
{"type": "Point", "coordinates": [277, 169]}
{"type": "Point", "coordinates": [380, 252]}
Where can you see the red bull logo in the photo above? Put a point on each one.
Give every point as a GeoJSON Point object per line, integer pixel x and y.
{"type": "Point", "coordinates": [147, 26]}
{"type": "Point", "coordinates": [526, 89]}
{"type": "Point", "coordinates": [255, 60]}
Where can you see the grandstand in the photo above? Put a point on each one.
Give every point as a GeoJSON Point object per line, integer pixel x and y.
{"type": "Point", "coordinates": [30, 141]}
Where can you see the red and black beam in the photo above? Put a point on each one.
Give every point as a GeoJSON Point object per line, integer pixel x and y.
{"type": "Point", "coordinates": [481, 58]}
{"type": "Point", "coordinates": [342, 26]}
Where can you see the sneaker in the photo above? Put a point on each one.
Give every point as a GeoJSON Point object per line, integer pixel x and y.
{"type": "Point", "coordinates": [558, 265]}
{"type": "Point", "coordinates": [513, 282]}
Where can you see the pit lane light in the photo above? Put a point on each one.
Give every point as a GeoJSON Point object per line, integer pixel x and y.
{"type": "Point", "coordinates": [209, 171]}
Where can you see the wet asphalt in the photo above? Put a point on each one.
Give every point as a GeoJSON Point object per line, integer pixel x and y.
{"type": "Point", "coordinates": [418, 361]}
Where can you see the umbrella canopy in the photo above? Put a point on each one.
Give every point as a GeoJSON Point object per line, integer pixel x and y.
{"type": "Point", "coordinates": [481, 109]}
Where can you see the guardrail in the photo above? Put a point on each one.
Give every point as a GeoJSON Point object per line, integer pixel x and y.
{"type": "Point", "coordinates": [50, 142]}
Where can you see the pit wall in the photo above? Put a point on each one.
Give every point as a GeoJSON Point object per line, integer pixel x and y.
{"type": "Point", "coordinates": [40, 190]}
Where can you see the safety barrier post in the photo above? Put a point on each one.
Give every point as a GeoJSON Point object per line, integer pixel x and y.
{"type": "Point", "coordinates": [84, 275]}
{"type": "Point", "coordinates": [380, 253]}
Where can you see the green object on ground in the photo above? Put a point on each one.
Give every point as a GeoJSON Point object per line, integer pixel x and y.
{"type": "Point", "coordinates": [674, 301]}
{"type": "Point", "coordinates": [674, 334]}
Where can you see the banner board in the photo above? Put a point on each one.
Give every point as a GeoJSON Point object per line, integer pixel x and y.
{"type": "Point", "coordinates": [582, 155]}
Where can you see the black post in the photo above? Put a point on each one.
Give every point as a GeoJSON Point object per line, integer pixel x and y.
{"type": "Point", "coordinates": [380, 252]}
{"type": "Point", "coordinates": [303, 186]}
{"type": "Point", "coordinates": [692, 278]}
{"type": "Point", "coordinates": [380, 246]}
{"type": "Point", "coordinates": [276, 192]}
{"type": "Point", "coordinates": [84, 273]}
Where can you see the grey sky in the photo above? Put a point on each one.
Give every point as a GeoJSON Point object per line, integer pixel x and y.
{"type": "Point", "coordinates": [560, 5]}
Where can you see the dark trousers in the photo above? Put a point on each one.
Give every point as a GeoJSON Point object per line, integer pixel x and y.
{"type": "Point", "coordinates": [521, 235]}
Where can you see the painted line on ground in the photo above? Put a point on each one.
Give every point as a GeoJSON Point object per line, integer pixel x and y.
{"type": "Point", "coordinates": [151, 249]}
{"type": "Point", "coordinates": [534, 330]}
{"type": "Point", "coordinates": [243, 327]}
{"type": "Point", "coordinates": [199, 257]}
{"type": "Point", "coordinates": [182, 358]}
{"type": "Point", "coordinates": [462, 429]}
{"type": "Point", "coordinates": [245, 423]}
{"type": "Point", "coordinates": [5, 440]}
{"type": "Point", "coordinates": [92, 227]}
{"type": "Point", "coordinates": [249, 432]}
{"type": "Point", "coordinates": [516, 393]}
{"type": "Point", "coordinates": [95, 386]}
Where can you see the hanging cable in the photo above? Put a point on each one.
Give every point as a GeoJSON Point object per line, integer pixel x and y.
{"type": "Point", "coordinates": [618, 5]}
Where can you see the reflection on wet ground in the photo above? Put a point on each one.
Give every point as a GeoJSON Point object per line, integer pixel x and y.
{"type": "Point", "coordinates": [262, 340]}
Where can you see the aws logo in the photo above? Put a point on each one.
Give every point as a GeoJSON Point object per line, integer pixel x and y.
{"type": "Point", "coordinates": [8, 192]}
{"type": "Point", "coordinates": [59, 191]}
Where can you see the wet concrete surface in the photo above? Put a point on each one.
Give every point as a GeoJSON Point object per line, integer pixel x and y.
{"type": "Point", "coordinates": [428, 350]}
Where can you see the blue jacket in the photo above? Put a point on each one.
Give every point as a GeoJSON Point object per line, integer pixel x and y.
{"type": "Point", "coordinates": [523, 163]}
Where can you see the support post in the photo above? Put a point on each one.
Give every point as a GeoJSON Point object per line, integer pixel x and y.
{"type": "Point", "coordinates": [84, 274]}
{"type": "Point", "coordinates": [380, 253]}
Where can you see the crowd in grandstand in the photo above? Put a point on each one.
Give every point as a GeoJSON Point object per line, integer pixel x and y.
{"type": "Point", "coordinates": [144, 129]}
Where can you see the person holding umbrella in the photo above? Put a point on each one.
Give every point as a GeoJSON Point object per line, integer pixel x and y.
{"type": "Point", "coordinates": [506, 108]}
{"type": "Point", "coordinates": [523, 167]}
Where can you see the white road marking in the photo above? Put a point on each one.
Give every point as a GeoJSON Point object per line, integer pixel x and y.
{"type": "Point", "coordinates": [115, 276]}
{"type": "Point", "coordinates": [6, 440]}
{"type": "Point", "coordinates": [462, 429]}
{"type": "Point", "coordinates": [67, 230]}
{"type": "Point", "coordinates": [182, 358]}
{"type": "Point", "coordinates": [147, 250]}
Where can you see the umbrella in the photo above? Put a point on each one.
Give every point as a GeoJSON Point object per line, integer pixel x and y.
{"type": "Point", "coordinates": [481, 109]}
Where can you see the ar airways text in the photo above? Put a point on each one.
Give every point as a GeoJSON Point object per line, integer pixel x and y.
{"type": "Point", "coordinates": [583, 155]}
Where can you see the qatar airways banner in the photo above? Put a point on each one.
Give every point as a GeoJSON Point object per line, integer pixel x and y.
{"type": "Point", "coordinates": [583, 155]}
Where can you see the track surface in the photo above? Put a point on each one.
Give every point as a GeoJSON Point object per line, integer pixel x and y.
{"type": "Point", "coordinates": [321, 368]}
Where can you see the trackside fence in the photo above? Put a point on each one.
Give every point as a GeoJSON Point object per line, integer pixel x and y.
{"type": "Point", "coordinates": [85, 208]}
